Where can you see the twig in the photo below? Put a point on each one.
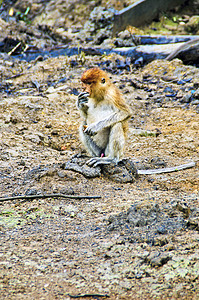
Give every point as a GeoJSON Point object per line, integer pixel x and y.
{"type": "Point", "coordinates": [13, 50]}
{"type": "Point", "coordinates": [88, 295]}
{"type": "Point", "coordinates": [32, 197]}
{"type": "Point", "coordinates": [15, 76]}
{"type": "Point", "coordinates": [36, 84]}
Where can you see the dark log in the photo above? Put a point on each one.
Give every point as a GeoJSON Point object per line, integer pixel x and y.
{"type": "Point", "coordinates": [142, 12]}
{"type": "Point", "coordinates": [188, 52]}
{"type": "Point", "coordinates": [148, 52]}
{"type": "Point", "coordinates": [33, 197]}
{"type": "Point", "coordinates": [164, 39]}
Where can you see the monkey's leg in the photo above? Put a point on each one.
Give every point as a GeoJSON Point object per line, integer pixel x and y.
{"type": "Point", "coordinates": [114, 150]}
{"type": "Point", "coordinates": [96, 161]}
{"type": "Point", "coordinates": [115, 147]}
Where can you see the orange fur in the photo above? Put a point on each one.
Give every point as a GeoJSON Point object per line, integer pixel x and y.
{"type": "Point", "coordinates": [105, 117]}
{"type": "Point", "coordinates": [93, 75]}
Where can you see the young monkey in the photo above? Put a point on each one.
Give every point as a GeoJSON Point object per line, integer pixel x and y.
{"type": "Point", "coordinates": [105, 115]}
{"type": "Point", "coordinates": [105, 121]}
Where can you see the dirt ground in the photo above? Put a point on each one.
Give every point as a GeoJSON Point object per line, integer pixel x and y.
{"type": "Point", "coordinates": [140, 239]}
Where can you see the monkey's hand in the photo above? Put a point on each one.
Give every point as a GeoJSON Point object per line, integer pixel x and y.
{"type": "Point", "coordinates": [82, 100]}
{"type": "Point", "coordinates": [91, 129]}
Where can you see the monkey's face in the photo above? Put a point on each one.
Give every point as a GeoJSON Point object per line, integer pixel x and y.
{"type": "Point", "coordinates": [96, 89]}
{"type": "Point", "coordinates": [95, 83]}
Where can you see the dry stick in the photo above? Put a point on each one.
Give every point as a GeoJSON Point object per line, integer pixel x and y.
{"type": "Point", "coordinates": [32, 197]}
{"type": "Point", "coordinates": [13, 50]}
{"type": "Point", "coordinates": [88, 295]}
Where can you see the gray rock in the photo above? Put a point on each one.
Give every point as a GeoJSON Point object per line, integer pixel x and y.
{"type": "Point", "coordinates": [157, 259]}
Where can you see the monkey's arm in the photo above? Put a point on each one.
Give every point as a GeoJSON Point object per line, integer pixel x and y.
{"type": "Point", "coordinates": [110, 121]}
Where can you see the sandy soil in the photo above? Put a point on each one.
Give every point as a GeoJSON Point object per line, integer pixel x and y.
{"type": "Point", "coordinates": [52, 247]}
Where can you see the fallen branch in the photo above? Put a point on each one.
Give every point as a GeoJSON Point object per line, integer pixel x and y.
{"type": "Point", "coordinates": [148, 52]}
{"type": "Point", "coordinates": [32, 197]}
{"type": "Point", "coordinates": [164, 39]}
{"type": "Point", "coordinates": [15, 76]}
{"type": "Point", "coordinates": [15, 48]}
{"type": "Point", "coordinates": [188, 51]}
{"type": "Point", "coordinates": [88, 295]}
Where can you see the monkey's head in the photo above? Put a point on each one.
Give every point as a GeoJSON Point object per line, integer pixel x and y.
{"type": "Point", "coordinates": [95, 82]}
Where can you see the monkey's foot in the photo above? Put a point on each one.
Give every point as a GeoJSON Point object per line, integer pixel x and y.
{"type": "Point", "coordinates": [96, 161]}
{"type": "Point", "coordinates": [120, 171]}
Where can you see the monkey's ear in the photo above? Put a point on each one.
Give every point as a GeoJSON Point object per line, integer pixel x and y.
{"type": "Point", "coordinates": [103, 80]}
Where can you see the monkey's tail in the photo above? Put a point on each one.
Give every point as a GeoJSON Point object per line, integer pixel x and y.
{"type": "Point", "coordinates": [167, 170]}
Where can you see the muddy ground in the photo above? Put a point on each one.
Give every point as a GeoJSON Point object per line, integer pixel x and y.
{"type": "Point", "coordinates": [140, 239]}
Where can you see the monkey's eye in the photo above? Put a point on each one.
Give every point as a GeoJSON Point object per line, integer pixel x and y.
{"type": "Point", "coordinates": [103, 80]}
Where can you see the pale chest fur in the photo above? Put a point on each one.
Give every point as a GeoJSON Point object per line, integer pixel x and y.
{"type": "Point", "coordinates": [98, 112]}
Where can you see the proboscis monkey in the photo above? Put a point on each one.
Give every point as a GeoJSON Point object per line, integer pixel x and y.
{"type": "Point", "coordinates": [105, 121]}
{"type": "Point", "coordinates": [105, 115]}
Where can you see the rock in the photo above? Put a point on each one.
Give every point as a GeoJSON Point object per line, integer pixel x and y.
{"type": "Point", "coordinates": [193, 25]}
{"type": "Point", "coordinates": [125, 35]}
{"type": "Point", "coordinates": [184, 208]}
{"type": "Point", "coordinates": [101, 17]}
{"type": "Point", "coordinates": [158, 259]}
{"type": "Point", "coordinates": [102, 35]}
{"type": "Point", "coordinates": [195, 102]}
{"type": "Point", "coordinates": [38, 172]}
{"type": "Point", "coordinates": [196, 94]}
{"type": "Point", "coordinates": [98, 26]}
{"type": "Point", "coordinates": [158, 162]}
{"type": "Point", "coordinates": [124, 171]}
{"type": "Point", "coordinates": [143, 255]}
{"type": "Point", "coordinates": [78, 164]}
{"type": "Point", "coordinates": [151, 224]}
{"type": "Point", "coordinates": [34, 138]}
{"type": "Point", "coordinates": [32, 191]}
{"type": "Point", "coordinates": [162, 230]}
{"type": "Point", "coordinates": [186, 98]}
{"type": "Point", "coordinates": [62, 189]}
{"type": "Point", "coordinates": [124, 39]}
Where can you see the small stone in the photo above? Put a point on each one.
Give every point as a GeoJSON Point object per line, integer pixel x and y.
{"type": "Point", "coordinates": [158, 259]}
{"type": "Point", "coordinates": [195, 102]}
{"type": "Point", "coordinates": [186, 98]}
{"type": "Point", "coordinates": [162, 230]}
{"type": "Point", "coordinates": [193, 24]}
{"type": "Point", "coordinates": [30, 192]}
{"type": "Point", "coordinates": [196, 94]}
